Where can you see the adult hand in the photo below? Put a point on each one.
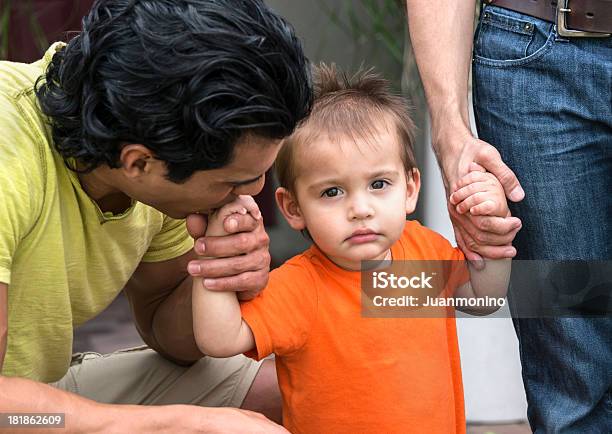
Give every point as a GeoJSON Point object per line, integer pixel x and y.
{"type": "Point", "coordinates": [478, 236]}
{"type": "Point", "coordinates": [231, 421]}
{"type": "Point", "coordinates": [237, 262]}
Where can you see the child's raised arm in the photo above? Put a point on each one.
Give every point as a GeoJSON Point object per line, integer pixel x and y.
{"type": "Point", "coordinates": [481, 193]}
{"type": "Point", "coordinates": [217, 322]}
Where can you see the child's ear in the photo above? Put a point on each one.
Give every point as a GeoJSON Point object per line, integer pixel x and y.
{"type": "Point", "coordinates": [413, 186]}
{"type": "Point", "coordinates": [289, 207]}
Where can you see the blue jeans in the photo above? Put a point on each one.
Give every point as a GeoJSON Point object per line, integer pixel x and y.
{"type": "Point", "coordinates": [545, 103]}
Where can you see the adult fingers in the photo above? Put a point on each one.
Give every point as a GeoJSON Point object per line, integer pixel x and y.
{"type": "Point", "coordinates": [247, 281]}
{"type": "Point", "coordinates": [223, 267]}
{"type": "Point", "coordinates": [233, 244]}
{"type": "Point", "coordinates": [489, 158]}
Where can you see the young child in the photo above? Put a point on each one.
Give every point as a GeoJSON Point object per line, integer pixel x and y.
{"type": "Point", "coordinates": [348, 177]}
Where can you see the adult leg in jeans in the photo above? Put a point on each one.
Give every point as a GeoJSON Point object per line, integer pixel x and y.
{"type": "Point", "coordinates": [545, 103]}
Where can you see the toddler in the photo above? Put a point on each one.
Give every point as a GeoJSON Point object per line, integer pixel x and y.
{"type": "Point", "coordinates": [348, 179]}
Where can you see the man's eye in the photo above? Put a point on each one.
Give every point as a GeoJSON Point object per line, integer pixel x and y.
{"type": "Point", "coordinates": [379, 184]}
{"type": "Point", "coordinates": [331, 192]}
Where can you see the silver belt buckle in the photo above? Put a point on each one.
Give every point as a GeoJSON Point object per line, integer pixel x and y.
{"type": "Point", "coordinates": [562, 9]}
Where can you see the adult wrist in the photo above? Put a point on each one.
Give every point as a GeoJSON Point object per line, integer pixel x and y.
{"type": "Point", "coordinates": [448, 142]}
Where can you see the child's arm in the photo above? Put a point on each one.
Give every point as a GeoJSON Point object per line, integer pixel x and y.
{"type": "Point", "coordinates": [483, 194]}
{"type": "Point", "coordinates": [217, 322]}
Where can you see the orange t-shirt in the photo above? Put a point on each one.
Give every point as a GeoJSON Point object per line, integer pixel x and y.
{"type": "Point", "coordinates": [340, 372]}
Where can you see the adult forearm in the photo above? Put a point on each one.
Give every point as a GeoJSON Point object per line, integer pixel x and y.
{"type": "Point", "coordinates": [18, 395]}
{"type": "Point", "coordinates": [441, 35]}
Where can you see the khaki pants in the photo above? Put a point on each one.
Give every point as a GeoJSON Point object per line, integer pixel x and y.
{"type": "Point", "coordinates": [141, 376]}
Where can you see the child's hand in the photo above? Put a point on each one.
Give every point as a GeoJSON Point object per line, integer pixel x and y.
{"type": "Point", "coordinates": [480, 193]}
{"type": "Point", "coordinates": [241, 205]}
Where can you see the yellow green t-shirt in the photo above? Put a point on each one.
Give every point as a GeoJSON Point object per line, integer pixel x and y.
{"type": "Point", "coordinates": [63, 259]}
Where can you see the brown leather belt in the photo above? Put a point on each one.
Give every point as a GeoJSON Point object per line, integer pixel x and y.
{"type": "Point", "coordinates": [592, 16]}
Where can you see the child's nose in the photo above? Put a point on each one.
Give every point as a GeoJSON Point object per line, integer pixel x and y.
{"type": "Point", "coordinates": [360, 209]}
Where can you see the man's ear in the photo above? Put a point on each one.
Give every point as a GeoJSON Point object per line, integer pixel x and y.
{"type": "Point", "coordinates": [289, 207]}
{"type": "Point", "coordinates": [413, 186]}
{"type": "Point", "coordinates": [136, 160]}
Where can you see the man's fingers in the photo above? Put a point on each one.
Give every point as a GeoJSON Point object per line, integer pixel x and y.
{"type": "Point", "coordinates": [497, 252]}
{"type": "Point", "coordinates": [196, 225]}
{"type": "Point", "coordinates": [491, 224]}
{"type": "Point", "coordinates": [474, 258]}
{"type": "Point", "coordinates": [489, 158]}
{"type": "Point", "coordinates": [248, 281]}
{"type": "Point", "coordinates": [232, 245]}
{"type": "Point", "coordinates": [477, 167]}
{"type": "Point", "coordinates": [224, 267]}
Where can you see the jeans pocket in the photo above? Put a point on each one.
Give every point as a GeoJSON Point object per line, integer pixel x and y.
{"type": "Point", "coordinates": [507, 38]}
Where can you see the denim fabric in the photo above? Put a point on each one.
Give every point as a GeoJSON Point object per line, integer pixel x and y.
{"type": "Point", "coordinates": [545, 103]}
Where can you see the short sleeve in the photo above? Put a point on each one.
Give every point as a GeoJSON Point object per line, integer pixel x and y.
{"type": "Point", "coordinates": [172, 241]}
{"type": "Point", "coordinates": [433, 246]}
{"type": "Point", "coordinates": [456, 269]}
{"type": "Point", "coordinates": [282, 316]}
{"type": "Point", "coordinates": [22, 172]}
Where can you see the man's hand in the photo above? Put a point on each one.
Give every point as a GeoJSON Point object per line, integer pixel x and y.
{"type": "Point", "coordinates": [477, 235]}
{"type": "Point", "coordinates": [242, 259]}
{"type": "Point", "coordinates": [233, 420]}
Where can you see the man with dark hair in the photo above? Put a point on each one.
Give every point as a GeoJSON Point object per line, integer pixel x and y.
{"type": "Point", "coordinates": [158, 111]}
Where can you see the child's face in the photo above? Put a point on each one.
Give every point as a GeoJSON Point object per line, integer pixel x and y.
{"type": "Point", "coordinates": [353, 197]}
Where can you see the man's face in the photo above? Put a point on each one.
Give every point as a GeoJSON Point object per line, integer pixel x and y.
{"type": "Point", "coordinates": [207, 190]}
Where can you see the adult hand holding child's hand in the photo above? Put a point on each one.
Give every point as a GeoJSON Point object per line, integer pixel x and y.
{"type": "Point", "coordinates": [478, 235]}
{"type": "Point", "coordinates": [236, 246]}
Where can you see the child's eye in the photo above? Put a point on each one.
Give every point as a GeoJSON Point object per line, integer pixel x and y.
{"type": "Point", "coordinates": [331, 192]}
{"type": "Point", "coordinates": [379, 184]}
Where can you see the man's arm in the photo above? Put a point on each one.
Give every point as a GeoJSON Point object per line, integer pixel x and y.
{"type": "Point", "coordinates": [443, 54]}
{"type": "Point", "coordinates": [160, 297]}
{"type": "Point", "coordinates": [18, 395]}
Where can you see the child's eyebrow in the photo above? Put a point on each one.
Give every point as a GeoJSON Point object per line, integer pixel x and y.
{"type": "Point", "coordinates": [335, 181]}
{"type": "Point", "coordinates": [381, 173]}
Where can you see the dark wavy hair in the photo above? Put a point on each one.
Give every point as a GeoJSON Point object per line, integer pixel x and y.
{"type": "Point", "coordinates": [185, 78]}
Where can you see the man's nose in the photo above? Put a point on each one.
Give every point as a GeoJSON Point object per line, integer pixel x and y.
{"type": "Point", "coordinates": [251, 189]}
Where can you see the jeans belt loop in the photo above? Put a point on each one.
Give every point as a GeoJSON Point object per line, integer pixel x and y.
{"type": "Point", "coordinates": [563, 7]}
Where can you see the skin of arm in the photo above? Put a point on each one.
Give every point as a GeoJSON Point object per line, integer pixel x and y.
{"type": "Point", "coordinates": [443, 55]}
{"type": "Point", "coordinates": [219, 328]}
{"type": "Point", "coordinates": [480, 193]}
{"type": "Point", "coordinates": [19, 395]}
{"type": "Point", "coordinates": [160, 294]}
